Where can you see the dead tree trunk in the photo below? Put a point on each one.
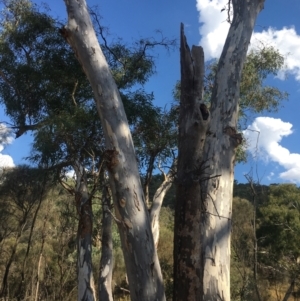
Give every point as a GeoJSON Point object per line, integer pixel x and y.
{"type": "Point", "coordinates": [193, 122]}
{"type": "Point", "coordinates": [142, 266]}
{"type": "Point", "coordinates": [219, 153]}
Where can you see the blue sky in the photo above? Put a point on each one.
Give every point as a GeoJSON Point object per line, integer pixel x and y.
{"type": "Point", "coordinates": [277, 157]}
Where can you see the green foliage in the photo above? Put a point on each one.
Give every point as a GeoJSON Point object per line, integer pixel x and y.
{"type": "Point", "coordinates": [155, 136]}
{"type": "Point", "coordinates": [277, 233]}
{"type": "Point", "coordinates": [23, 190]}
{"type": "Point", "coordinates": [44, 89]}
{"type": "Point", "coordinates": [129, 66]}
{"type": "Point", "coordinates": [71, 137]}
{"type": "Point", "coordinates": [244, 191]}
{"type": "Point", "coordinates": [24, 185]}
{"type": "Point", "coordinates": [280, 222]}
{"type": "Point", "coordinates": [39, 73]}
{"type": "Point", "coordinates": [255, 96]}
{"type": "Point", "coordinates": [241, 250]}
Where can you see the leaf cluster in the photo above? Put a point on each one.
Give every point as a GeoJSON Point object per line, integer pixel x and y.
{"type": "Point", "coordinates": [39, 73]}
{"type": "Point", "coordinates": [156, 135]}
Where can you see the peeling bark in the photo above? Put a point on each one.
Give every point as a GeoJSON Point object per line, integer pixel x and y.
{"type": "Point", "coordinates": [142, 266]}
{"type": "Point", "coordinates": [192, 132]}
{"type": "Point", "coordinates": [219, 153]}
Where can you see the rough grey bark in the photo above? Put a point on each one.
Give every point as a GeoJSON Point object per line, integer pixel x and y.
{"type": "Point", "coordinates": [142, 266]}
{"type": "Point", "coordinates": [106, 261]}
{"type": "Point", "coordinates": [219, 153]}
{"type": "Point", "coordinates": [193, 122]}
{"type": "Point", "coordinates": [83, 202]}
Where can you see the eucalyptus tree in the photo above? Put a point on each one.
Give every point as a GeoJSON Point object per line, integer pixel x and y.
{"type": "Point", "coordinates": [66, 132]}
{"type": "Point", "coordinates": [203, 159]}
{"type": "Point", "coordinates": [222, 140]}
{"type": "Point", "coordinates": [143, 270]}
{"type": "Point", "coordinates": [44, 89]}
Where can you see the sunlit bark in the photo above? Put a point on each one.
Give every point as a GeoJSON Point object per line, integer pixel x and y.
{"type": "Point", "coordinates": [219, 153]}
{"type": "Point", "coordinates": [142, 266]}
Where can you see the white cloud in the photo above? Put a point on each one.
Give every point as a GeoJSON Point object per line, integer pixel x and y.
{"type": "Point", "coordinates": [5, 139]}
{"type": "Point", "coordinates": [287, 41]}
{"type": "Point", "coordinates": [264, 137]}
{"type": "Point", "coordinates": [214, 29]}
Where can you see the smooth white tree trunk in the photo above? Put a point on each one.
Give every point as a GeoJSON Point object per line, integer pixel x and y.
{"type": "Point", "coordinates": [142, 266]}
{"type": "Point", "coordinates": [158, 200]}
{"type": "Point", "coordinates": [219, 153]}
